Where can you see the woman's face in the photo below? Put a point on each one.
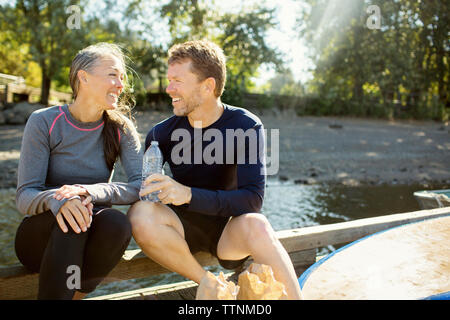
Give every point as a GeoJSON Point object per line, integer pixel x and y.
{"type": "Point", "coordinates": [104, 83]}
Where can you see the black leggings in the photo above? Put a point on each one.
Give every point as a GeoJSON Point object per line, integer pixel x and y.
{"type": "Point", "coordinates": [43, 247]}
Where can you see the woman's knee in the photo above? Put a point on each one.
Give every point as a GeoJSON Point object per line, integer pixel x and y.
{"type": "Point", "coordinates": [114, 223]}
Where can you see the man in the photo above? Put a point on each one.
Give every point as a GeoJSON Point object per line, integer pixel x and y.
{"type": "Point", "coordinates": [213, 201]}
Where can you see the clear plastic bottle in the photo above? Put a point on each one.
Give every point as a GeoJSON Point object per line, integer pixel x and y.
{"type": "Point", "coordinates": [151, 163]}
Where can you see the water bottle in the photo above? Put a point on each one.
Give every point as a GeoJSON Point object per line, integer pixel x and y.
{"type": "Point", "coordinates": [151, 163]}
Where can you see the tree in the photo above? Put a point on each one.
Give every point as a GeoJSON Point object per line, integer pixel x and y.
{"type": "Point", "coordinates": [285, 84]}
{"type": "Point", "coordinates": [42, 26]}
{"type": "Point", "coordinates": [242, 36]}
{"type": "Point", "coordinates": [243, 39]}
{"type": "Point", "coordinates": [53, 32]}
{"type": "Point", "coordinates": [403, 62]}
{"type": "Point", "coordinates": [149, 61]}
{"type": "Point", "coordinates": [188, 19]}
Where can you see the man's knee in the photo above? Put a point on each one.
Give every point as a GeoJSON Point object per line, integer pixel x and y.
{"type": "Point", "coordinates": [142, 218]}
{"type": "Point", "coordinates": [146, 220]}
{"type": "Point", "coordinates": [256, 228]}
{"type": "Point", "coordinates": [143, 211]}
{"type": "Point", "coordinates": [140, 209]}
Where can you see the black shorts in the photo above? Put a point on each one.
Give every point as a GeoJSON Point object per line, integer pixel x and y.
{"type": "Point", "coordinates": [202, 233]}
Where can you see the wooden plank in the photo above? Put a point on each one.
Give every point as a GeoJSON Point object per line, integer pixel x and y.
{"type": "Point", "coordinates": [23, 287]}
{"type": "Point", "coordinates": [186, 290]}
{"type": "Point", "coordinates": [302, 260]}
{"type": "Point", "coordinates": [139, 266]}
{"type": "Point", "coordinates": [17, 283]}
{"type": "Point", "coordinates": [152, 293]}
{"type": "Point", "coordinates": [338, 233]}
{"type": "Point", "coordinates": [32, 91]}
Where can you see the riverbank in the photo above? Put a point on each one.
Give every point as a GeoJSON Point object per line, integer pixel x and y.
{"type": "Point", "coordinates": [348, 151]}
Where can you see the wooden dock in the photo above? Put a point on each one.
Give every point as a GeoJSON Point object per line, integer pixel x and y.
{"type": "Point", "coordinates": [30, 94]}
{"type": "Point", "coordinates": [301, 244]}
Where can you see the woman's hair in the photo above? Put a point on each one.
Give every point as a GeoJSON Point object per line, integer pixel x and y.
{"type": "Point", "coordinates": [114, 120]}
{"type": "Point", "coordinates": [208, 60]}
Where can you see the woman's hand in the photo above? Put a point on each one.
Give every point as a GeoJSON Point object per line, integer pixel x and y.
{"type": "Point", "coordinates": [69, 191]}
{"type": "Point", "coordinates": [87, 202]}
{"type": "Point", "coordinates": [76, 214]}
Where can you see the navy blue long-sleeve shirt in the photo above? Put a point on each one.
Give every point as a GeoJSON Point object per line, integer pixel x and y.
{"type": "Point", "coordinates": [224, 163]}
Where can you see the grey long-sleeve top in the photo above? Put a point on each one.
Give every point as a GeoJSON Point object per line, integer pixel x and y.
{"type": "Point", "coordinates": [58, 150]}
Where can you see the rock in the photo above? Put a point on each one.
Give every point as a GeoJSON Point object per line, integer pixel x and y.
{"type": "Point", "coordinates": [351, 183]}
{"type": "Point", "coordinates": [307, 181]}
{"type": "Point", "coordinates": [20, 113]}
{"type": "Point", "coordinates": [301, 181]}
{"type": "Point", "coordinates": [8, 114]}
{"type": "Point", "coordinates": [216, 288]}
{"type": "Point", "coordinates": [335, 126]}
{"type": "Point", "coordinates": [258, 283]}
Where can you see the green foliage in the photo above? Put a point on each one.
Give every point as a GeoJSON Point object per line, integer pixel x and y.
{"type": "Point", "coordinates": [188, 19]}
{"type": "Point", "coordinates": [376, 72]}
{"type": "Point", "coordinates": [41, 25]}
{"type": "Point", "coordinates": [400, 70]}
{"type": "Point", "coordinates": [285, 84]}
{"type": "Point", "coordinates": [242, 36]}
{"type": "Point", "coordinates": [36, 30]}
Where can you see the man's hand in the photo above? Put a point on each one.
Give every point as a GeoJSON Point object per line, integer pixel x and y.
{"type": "Point", "coordinates": [171, 192]}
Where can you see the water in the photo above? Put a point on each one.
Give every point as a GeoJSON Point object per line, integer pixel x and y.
{"type": "Point", "coordinates": [152, 163]}
{"type": "Point", "coordinates": [286, 206]}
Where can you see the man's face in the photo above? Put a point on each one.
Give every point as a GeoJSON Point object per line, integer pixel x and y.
{"type": "Point", "coordinates": [184, 88]}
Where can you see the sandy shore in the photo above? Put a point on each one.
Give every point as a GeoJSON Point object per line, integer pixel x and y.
{"type": "Point", "coordinates": [350, 151]}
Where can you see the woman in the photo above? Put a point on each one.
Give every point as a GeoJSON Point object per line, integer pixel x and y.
{"type": "Point", "coordinates": [64, 188]}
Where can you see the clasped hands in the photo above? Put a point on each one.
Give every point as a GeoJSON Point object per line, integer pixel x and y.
{"type": "Point", "coordinates": [171, 191]}
{"type": "Point", "coordinates": [77, 211]}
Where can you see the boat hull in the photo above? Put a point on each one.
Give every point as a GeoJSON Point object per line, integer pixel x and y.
{"type": "Point", "coordinates": [411, 261]}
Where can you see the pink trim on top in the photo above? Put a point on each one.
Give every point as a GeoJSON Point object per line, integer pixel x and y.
{"type": "Point", "coordinates": [53, 124]}
{"type": "Point", "coordinates": [76, 126]}
{"type": "Point", "coordinates": [118, 132]}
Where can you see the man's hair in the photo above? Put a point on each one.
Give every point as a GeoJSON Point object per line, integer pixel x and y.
{"type": "Point", "coordinates": [207, 60]}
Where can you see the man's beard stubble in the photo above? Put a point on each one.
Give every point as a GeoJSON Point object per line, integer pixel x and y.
{"type": "Point", "coordinates": [190, 106]}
